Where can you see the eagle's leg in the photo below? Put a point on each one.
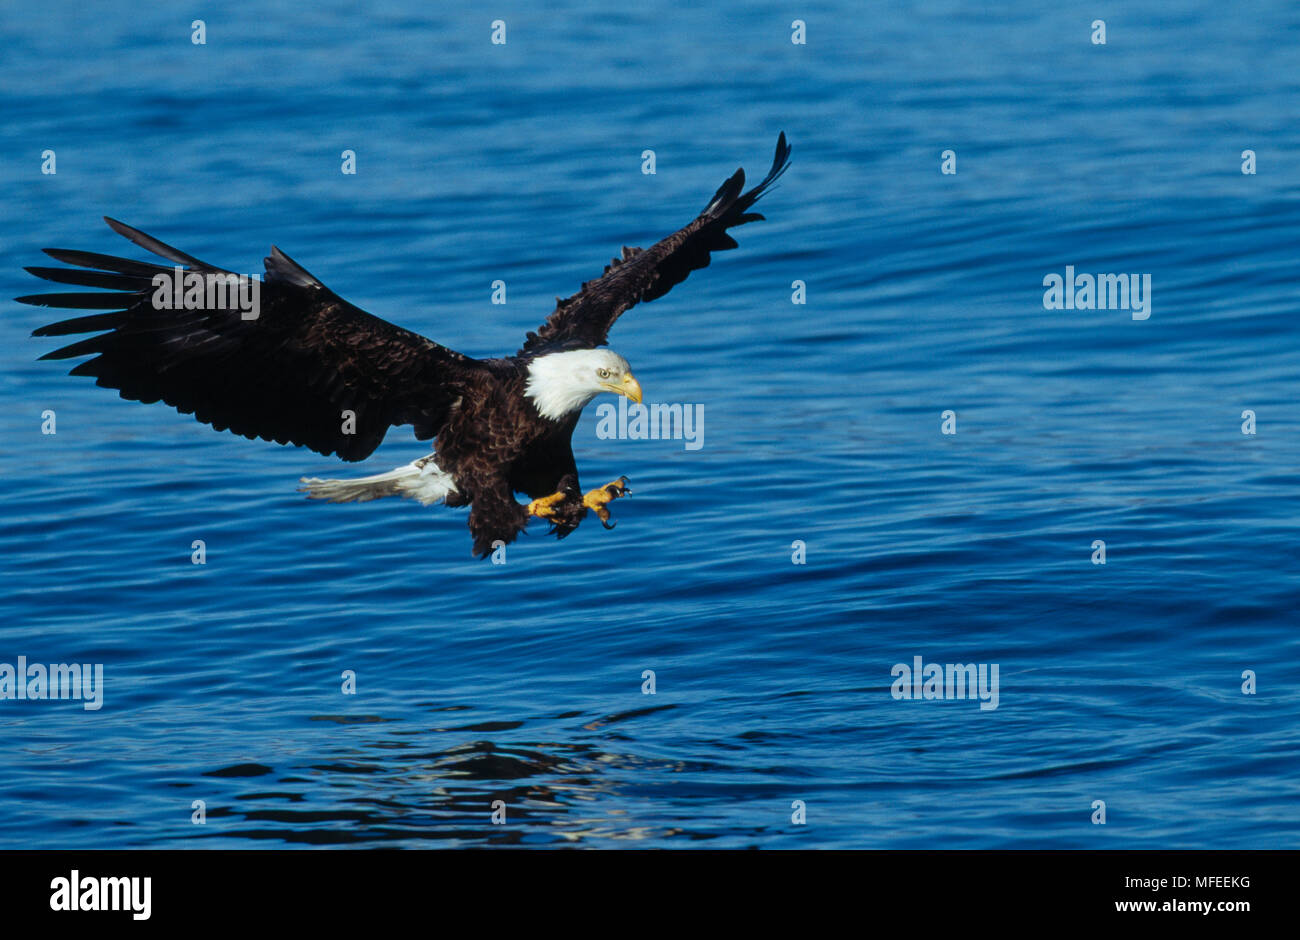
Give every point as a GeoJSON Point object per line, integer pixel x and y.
{"type": "Point", "coordinates": [564, 508]}
{"type": "Point", "coordinates": [548, 507]}
{"type": "Point", "coordinates": [598, 500]}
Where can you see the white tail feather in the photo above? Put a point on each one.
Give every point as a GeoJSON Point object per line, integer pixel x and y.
{"type": "Point", "coordinates": [422, 480]}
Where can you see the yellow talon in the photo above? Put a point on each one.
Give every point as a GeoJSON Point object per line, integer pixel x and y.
{"type": "Point", "coordinates": [561, 508]}
{"type": "Point", "coordinates": [598, 500]}
{"type": "Point", "coordinates": [544, 507]}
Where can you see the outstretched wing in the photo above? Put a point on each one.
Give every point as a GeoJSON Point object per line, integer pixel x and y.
{"type": "Point", "coordinates": [584, 320]}
{"type": "Point", "coordinates": [288, 375]}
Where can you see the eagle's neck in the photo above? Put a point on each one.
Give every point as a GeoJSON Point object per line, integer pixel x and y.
{"type": "Point", "coordinates": [556, 388]}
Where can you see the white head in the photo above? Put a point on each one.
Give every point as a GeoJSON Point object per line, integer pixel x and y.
{"type": "Point", "coordinates": [562, 383]}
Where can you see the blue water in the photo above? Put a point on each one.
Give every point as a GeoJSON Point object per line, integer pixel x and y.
{"type": "Point", "coordinates": [523, 682]}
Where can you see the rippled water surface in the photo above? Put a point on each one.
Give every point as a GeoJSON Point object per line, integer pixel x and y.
{"type": "Point", "coordinates": [523, 682]}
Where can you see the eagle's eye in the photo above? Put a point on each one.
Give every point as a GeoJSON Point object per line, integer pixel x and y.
{"type": "Point", "coordinates": [603, 373]}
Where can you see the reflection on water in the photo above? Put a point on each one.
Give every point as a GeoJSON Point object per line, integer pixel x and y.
{"type": "Point", "coordinates": [553, 792]}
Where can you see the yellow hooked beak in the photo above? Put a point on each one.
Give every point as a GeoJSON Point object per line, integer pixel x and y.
{"type": "Point", "coordinates": [630, 387]}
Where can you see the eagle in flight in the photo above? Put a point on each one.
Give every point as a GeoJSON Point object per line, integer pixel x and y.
{"type": "Point", "coordinates": [309, 368]}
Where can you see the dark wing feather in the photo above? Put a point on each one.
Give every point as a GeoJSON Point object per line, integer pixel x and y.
{"type": "Point", "coordinates": [584, 320]}
{"type": "Point", "coordinates": [286, 376]}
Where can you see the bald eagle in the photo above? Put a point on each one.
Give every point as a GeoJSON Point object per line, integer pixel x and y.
{"type": "Point", "coordinates": [310, 369]}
